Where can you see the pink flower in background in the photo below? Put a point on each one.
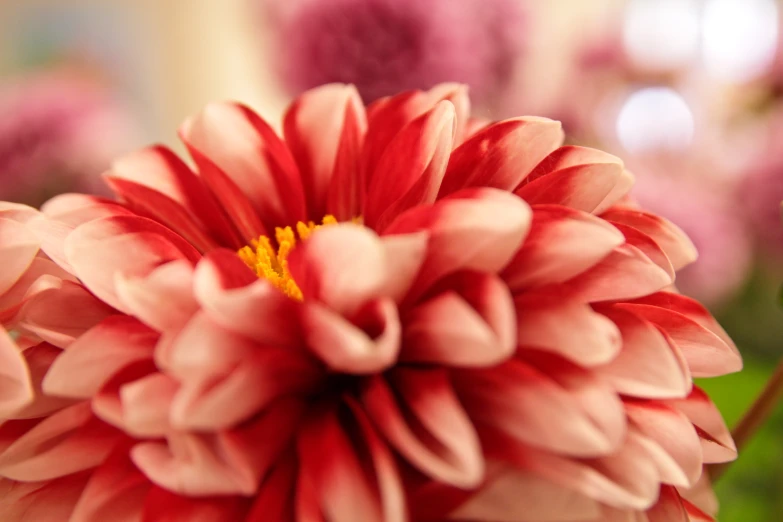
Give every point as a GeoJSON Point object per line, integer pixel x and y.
{"type": "Point", "coordinates": [712, 218]}
{"type": "Point", "coordinates": [389, 315]}
{"type": "Point", "coordinates": [386, 46]}
{"type": "Point", "coordinates": [58, 132]}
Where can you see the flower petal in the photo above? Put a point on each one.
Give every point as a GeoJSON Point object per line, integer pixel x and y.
{"type": "Point", "coordinates": [16, 390]}
{"type": "Point", "coordinates": [475, 229]}
{"type": "Point", "coordinates": [323, 129]}
{"type": "Point", "coordinates": [649, 365]}
{"type": "Point", "coordinates": [247, 150]}
{"type": "Point", "coordinates": [562, 244]}
{"type": "Point", "coordinates": [669, 507]}
{"type": "Point", "coordinates": [66, 442]}
{"type": "Point", "coordinates": [589, 338]}
{"type": "Point", "coordinates": [470, 323]}
{"type": "Point", "coordinates": [96, 356]}
{"type": "Point", "coordinates": [675, 447]}
{"type": "Point", "coordinates": [18, 248]}
{"type": "Point", "coordinates": [673, 241]}
{"type": "Point", "coordinates": [100, 249]}
{"type": "Point", "coordinates": [502, 154]}
{"type": "Point", "coordinates": [411, 170]}
{"type": "Point", "coordinates": [41, 501]}
{"type": "Point", "coordinates": [424, 421]}
{"type": "Point", "coordinates": [38, 359]}
{"type": "Point", "coordinates": [239, 301]}
{"type": "Point", "coordinates": [347, 347]}
{"type": "Point", "coordinates": [716, 442]}
{"type": "Point", "coordinates": [160, 170]}
{"type": "Point", "coordinates": [165, 506]}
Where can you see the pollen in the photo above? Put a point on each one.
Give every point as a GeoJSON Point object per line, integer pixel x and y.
{"type": "Point", "coordinates": [272, 263]}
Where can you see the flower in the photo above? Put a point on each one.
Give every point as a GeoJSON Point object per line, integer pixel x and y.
{"type": "Point", "coordinates": [387, 46]}
{"type": "Point", "coordinates": [391, 314]}
{"type": "Point", "coordinates": [58, 132]}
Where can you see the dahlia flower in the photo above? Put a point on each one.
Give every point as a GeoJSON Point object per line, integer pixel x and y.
{"type": "Point", "coordinates": [386, 46]}
{"type": "Point", "coordinates": [390, 314]}
{"type": "Point", "coordinates": [59, 131]}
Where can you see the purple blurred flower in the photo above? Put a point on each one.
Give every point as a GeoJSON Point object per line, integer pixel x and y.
{"type": "Point", "coordinates": [387, 46]}
{"type": "Point", "coordinates": [58, 132]}
{"type": "Point", "coordinates": [710, 217]}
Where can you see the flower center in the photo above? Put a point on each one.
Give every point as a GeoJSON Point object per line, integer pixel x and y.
{"type": "Point", "coordinates": [272, 264]}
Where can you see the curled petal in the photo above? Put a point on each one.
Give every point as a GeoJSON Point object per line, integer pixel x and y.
{"type": "Point", "coordinates": [100, 249]}
{"type": "Point", "coordinates": [233, 297]}
{"type": "Point", "coordinates": [562, 244]}
{"type": "Point", "coordinates": [96, 356]}
{"type": "Point", "coordinates": [38, 359]}
{"type": "Point", "coordinates": [534, 408]}
{"type": "Point", "coordinates": [418, 413]}
{"type": "Point", "coordinates": [41, 274]}
{"type": "Point", "coordinates": [581, 187]}
{"type": "Point", "coordinates": [669, 508]}
{"type": "Point", "coordinates": [671, 438]}
{"type": "Point", "coordinates": [649, 247]}
{"type": "Point", "coordinates": [231, 462]}
{"type": "Point", "coordinates": [115, 491]}
{"type": "Point", "coordinates": [412, 168]}
{"type": "Point", "coordinates": [518, 495]}
{"type": "Point", "coordinates": [471, 323]}
{"type": "Point", "coordinates": [16, 389]}
{"type": "Point", "coordinates": [66, 442]}
{"type": "Point", "coordinates": [475, 229]}
{"type": "Point", "coordinates": [706, 353]}
{"type": "Point", "coordinates": [60, 313]}
{"type": "Point", "coordinates": [323, 129]}
{"type": "Point", "coordinates": [716, 442]}
{"type": "Point", "coordinates": [501, 155]}
{"type": "Point", "coordinates": [369, 346]}
{"type": "Point", "coordinates": [163, 299]}
{"type": "Point", "coordinates": [145, 404]}
{"type": "Point", "coordinates": [626, 273]}
{"type": "Point", "coordinates": [672, 240]}
{"type": "Point", "coordinates": [649, 365]}
{"type": "Point", "coordinates": [588, 339]}
{"type": "Point", "coordinates": [18, 248]}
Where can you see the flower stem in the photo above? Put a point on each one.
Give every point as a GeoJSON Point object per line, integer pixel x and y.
{"type": "Point", "coordinates": [755, 417]}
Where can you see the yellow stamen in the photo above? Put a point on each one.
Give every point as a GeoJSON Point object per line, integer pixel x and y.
{"type": "Point", "coordinates": [272, 265]}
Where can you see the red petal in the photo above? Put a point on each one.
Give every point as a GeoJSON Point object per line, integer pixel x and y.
{"type": "Point", "coordinates": [581, 187]}
{"type": "Point", "coordinates": [649, 247]}
{"type": "Point", "coordinates": [18, 247]}
{"type": "Point", "coordinates": [370, 346]}
{"type": "Point", "coordinates": [160, 170]}
{"type": "Point", "coordinates": [674, 445]}
{"type": "Point", "coordinates": [231, 295]}
{"type": "Point", "coordinates": [16, 390]}
{"type": "Point", "coordinates": [562, 244]}
{"type": "Point", "coordinates": [707, 354]}
{"type": "Point", "coordinates": [66, 442]}
{"type": "Point", "coordinates": [534, 408]}
{"type": "Point", "coordinates": [164, 506]}
{"type": "Point", "coordinates": [673, 241]}
{"type": "Point", "coordinates": [471, 323]}
{"type": "Point", "coordinates": [716, 442]}
{"type": "Point", "coordinates": [163, 299]}
{"type": "Point", "coordinates": [274, 500]}
{"type": "Point", "coordinates": [323, 129]}
{"type": "Point", "coordinates": [424, 421]}
{"type": "Point", "coordinates": [501, 155]}
{"type": "Point", "coordinates": [649, 364]}
{"type": "Point", "coordinates": [669, 507]}
{"type": "Point", "coordinates": [52, 500]}
{"type": "Point", "coordinates": [475, 229]}
{"type": "Point", "coordinates": [116, 491]}
{"type": "Point", "coordinates": [100, 249]}
{"type": "Point", "coordinates": [588, 339]}
{"type": "Point", "coordinates": [96, 356]}
{"type": "Point", "coordinates": [412, 168]}
{"type": "Point", "coordinates": [247, 150]}
{"type": "Point", "coordinates": [342, 266]}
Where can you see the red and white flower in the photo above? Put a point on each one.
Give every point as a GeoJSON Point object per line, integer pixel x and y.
{"type": "Point", "coordinates": [389, 314]}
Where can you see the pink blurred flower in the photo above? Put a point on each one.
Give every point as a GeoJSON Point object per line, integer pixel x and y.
{"type": "Point", "coordinates": [481, 329]}
{"type": "Point", "coordinates": [708, 213]}
{"type": "Point", "coordinates": [386, 46]}
{"type": "Point", "coordinates": [59, 131]}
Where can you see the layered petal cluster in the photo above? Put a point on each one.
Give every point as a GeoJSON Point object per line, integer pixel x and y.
{"type": "Point", "coordinates": [483, 329]}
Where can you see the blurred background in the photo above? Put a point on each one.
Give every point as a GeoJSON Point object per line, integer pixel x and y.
{"type": "Point", "coordinates": [688, 92]}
